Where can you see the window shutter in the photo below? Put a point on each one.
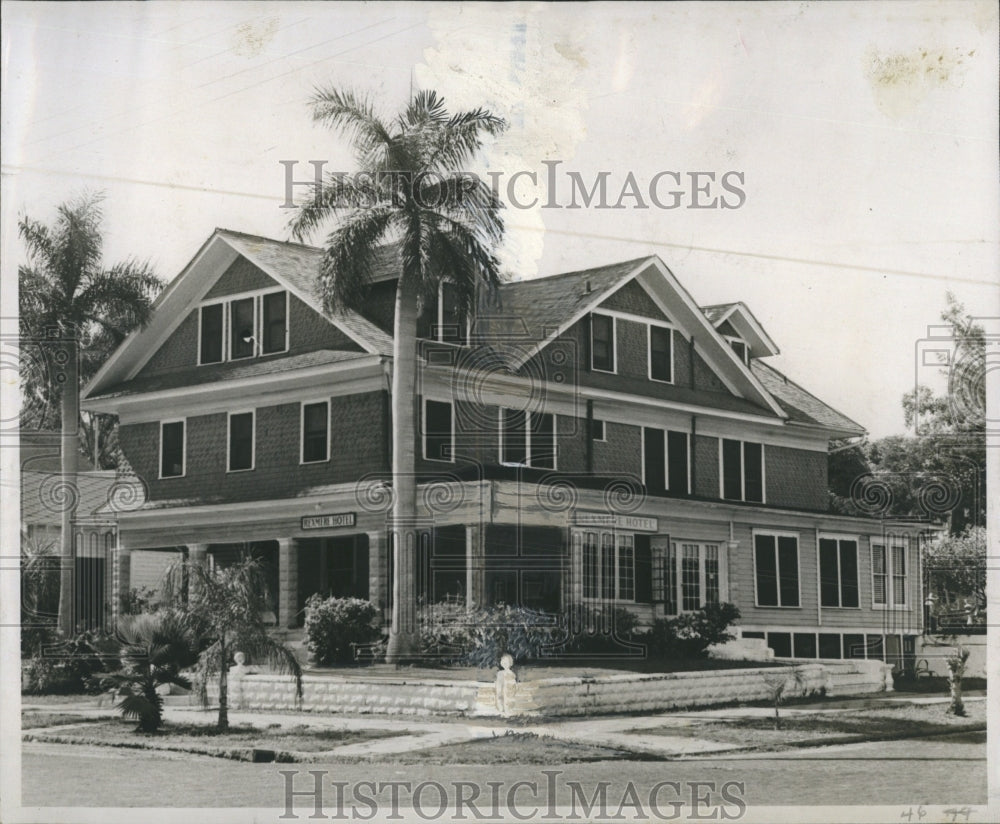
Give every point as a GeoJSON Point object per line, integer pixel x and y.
{"type": "Point", "coordinates": [643, 570]}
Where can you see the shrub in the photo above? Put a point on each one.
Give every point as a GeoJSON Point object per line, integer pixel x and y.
{"type": "Point", "coordinates": [445, 630]}
{"type": "Point", "coordinates": [333, 624]}
{"type": "Point", "coordinates": [73, 666]}
{"type": "Point", "coordinates": [522, 633]}
{"type": "Point", "coordinates": [597, 631]}
{"type": "Point", "coordinates": [690, 634]}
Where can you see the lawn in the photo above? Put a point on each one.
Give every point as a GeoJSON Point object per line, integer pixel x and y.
{"type": "Point", "coordinates": [241, 742]}
{"type": "Point", "coordinates": [815, 728]}
{"type": "Point", "coordinates": [513, 748]}
{"type": "Point", "coordinates": [37, 720]}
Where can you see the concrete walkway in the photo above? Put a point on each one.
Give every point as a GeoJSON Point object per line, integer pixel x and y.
{"type": "Point", "coordinates": [616, 732]}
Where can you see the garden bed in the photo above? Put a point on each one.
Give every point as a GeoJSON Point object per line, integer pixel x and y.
{"type": "Point", "coordinates": [512, 748]}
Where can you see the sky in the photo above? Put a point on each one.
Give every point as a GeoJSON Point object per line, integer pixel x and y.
{"type": "Point", "coordinates": [862, 138]}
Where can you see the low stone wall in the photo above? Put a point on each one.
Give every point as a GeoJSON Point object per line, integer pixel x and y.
{"type": "Point", "coordinates": [327, 693]}
{"type": "Point", "coordinates": [569, 696]}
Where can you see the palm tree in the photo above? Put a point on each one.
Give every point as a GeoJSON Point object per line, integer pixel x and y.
{"type": "Point", "coordinates": [225, 609]}
{"type": "Point", "coordinates": [155, 647]}
{"type": "Point", "coordinates": [412, 190]}
{"type": "Point", "coordinates": [65, 288]}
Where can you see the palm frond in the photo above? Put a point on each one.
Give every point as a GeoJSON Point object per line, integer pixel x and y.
{"type": "Point", "coordinates": [338, 193]}
{"type": "Point", "coordinates": [353, 115]}
{"type": "Point", "coordinates": [345, 271]}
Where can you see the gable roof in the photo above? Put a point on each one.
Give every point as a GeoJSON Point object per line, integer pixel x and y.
{"type": "Point", "coordinates": [744, 323]}
{"type": "Point", "coordinates": [534, 310]}
{"type": "Point", "coordinates": [292, 265]}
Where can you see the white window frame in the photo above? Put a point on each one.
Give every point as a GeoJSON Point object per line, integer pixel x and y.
{"type": "Point", "coordinates": [743, 484]}
{"type": "Point", "coordinates": [578, 540]}
{"type": "Point", "coordinates": [253, 440]}
{"type": "Point", "coordinates": [159, 461]}
{"type": "Point", "coordinates": [439, 336]}
{"type": "Point", "coordinates": [258, 322]}
{"type": "Point", "coordinates": [614, 343]}
{"type": "Point", "coordinates": [423, 434]}
{"type": "Point", "coordinates": [677, 547]}
{"type": "Point", "coordinates": [666, 455]}
{"type": "Point", "coordinates": [302, 431]}
{"type": "Point", "coordinates": [649, 351]}
{"type": "Point", "coordinates": [887, 545]}
{"type": "Point", "coordinates": [731, 339]}
{"type": "Point", "coordinates": [528, 455]}
{"type": "Point", "coordinates": [777, 533]}
{"type": "Point", "coordinates": [838, 537]}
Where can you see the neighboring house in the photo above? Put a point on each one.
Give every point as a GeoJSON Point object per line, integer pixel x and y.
{"type": "Point", "coordinates": [94, 535]}
{"type": "Point", "coordinates": [591, 438]}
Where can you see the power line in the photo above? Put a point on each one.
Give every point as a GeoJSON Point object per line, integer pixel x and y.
{"type": "Point", "coordinates": [9, 169]}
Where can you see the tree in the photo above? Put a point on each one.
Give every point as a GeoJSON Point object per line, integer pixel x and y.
{"type": "Point", "coordinates": [155, 647]}
{"type": "Point", "coordinates": [225, 611]}
{"type": "Point", "coordinates": [940, 471]}
{"type": "Point", "coordinates": [66, 290]}
{"type": "Point", "coordinates": [412, 189]}
{"type": "Point", "coordinates": [955, 566]}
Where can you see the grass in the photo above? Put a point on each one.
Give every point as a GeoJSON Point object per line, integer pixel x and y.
{"type": "Point", "coordinates": [38, 720]}
{"type": "Point", "coordinates": [936, 685]}
{"type": "Point", "coordinates": [513, 748]}
{"type": "Point", "coordinates": [801, 729]}
{"type": "Point", "coordinates": [240, 742]}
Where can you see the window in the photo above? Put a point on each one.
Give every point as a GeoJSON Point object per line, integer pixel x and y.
{"type": "Point", "coordinates": [602, 343]}
{"type": "Point", "coordinates": [210, 349]}
{"type": "Point", "coordinates": [742, 471]}
{"type": "Point", "coordinates": [528, 438]}
{"type": "Point", "coordinates": [243, 327]}
{"type": "Point", "coordinates": [171, 449]}
{"type": "Point", "coordinates": [608, 574]}
{"type": "Point", "coordinates": [692, 577]}
{"type": "Point", "coordinates": [776, 569]}
{"type": "Point", "coordinates": [889, 573]}
{"type": "Point", "coordinates": [438, 432]}
{"type": "Point", "coordinates": [242, 330]}
{"type": "Point", "coordinates": [450, 325]}
{"type": "Point", "coordinates": [597, 431]}
{"type": "Point", "coordinates": [838, 572]}
{"type": "Point", "coordinates": [241, 441]}
{"type": "Point", "coordinates": [665, 461]}
{"type": "Point", "coordinates": [274, 308]}
{"type": "Point", "coordinates": [315, 432]}
{"type": "Point", "coordinates": [741, 349]}
{"type": "Point", "coordinates": [661, 366]}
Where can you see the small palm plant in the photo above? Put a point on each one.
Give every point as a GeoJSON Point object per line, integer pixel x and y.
{"type": "Point", "coordinates": [956, 669]}
{"type": "Point", "coordinates": [154, 649]}
{"type": "Point", "coordinates": [226, 609]}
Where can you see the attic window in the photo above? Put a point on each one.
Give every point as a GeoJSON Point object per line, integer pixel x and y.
{"type": "Point", "coordinates": [448, 325]}
{"type": "Point", "coordinates": [602, 343]}
{"type": "Point", "coordinates": [243, 326]}
{"type": "Point", "coordinates": [741, 349]}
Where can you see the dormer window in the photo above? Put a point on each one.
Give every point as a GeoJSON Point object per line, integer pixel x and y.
{"type": "Point", "coordinates": [740, 348]}
{"type": "Point", "coordinates": [451, 326]}
{"type": "Point", "coordinates": [243, 326]}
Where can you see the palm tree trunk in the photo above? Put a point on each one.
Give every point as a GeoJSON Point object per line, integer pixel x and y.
{"type": "Point", "coordinates": [223, 688]}
{"type": "Point", "coordinates": [403, 533]}
{"type": "Point", "coordinates": [70, 448]}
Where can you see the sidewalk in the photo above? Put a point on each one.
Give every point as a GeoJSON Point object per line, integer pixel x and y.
{"type": "Point", "coordinates": [617, 732]}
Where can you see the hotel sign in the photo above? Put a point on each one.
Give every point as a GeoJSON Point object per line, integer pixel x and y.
{"type": "Point", "coordinates": [326, 521]}
{"type": "Point", "coordinates": [625, 522]}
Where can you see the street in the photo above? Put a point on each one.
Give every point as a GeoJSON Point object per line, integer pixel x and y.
{"type": "Point", "coordinates": [939, 770]}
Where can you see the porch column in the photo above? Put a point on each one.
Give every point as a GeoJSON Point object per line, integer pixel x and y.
{"type": "Point", "coordinates": [197, 556]}
{"type": "Point", "coordinates": [378, 570]}
{"type": "Point", "coordinates": [728, 585]}
{"type": "Point", "coordinates": [288, 582]}
{"type": "Point", "coordinates": [121, 577]}
{"type": "Point", "coordinates": [475, 565]}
